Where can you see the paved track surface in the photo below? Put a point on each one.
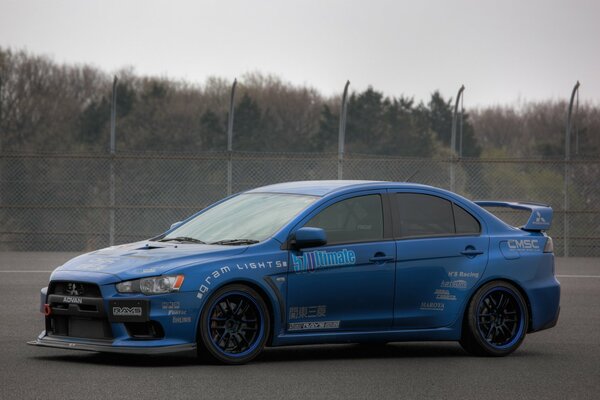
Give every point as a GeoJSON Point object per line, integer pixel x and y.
{"type": "Point", "coordinates": [561, 363]}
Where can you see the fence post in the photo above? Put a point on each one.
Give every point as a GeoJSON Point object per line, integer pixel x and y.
{"type": "Point", "coordinates": [342, 131]}
{"type": "Point", "coordinates": [113, 121]}
{"type": "Point", "coordinates": [1, 136]}
{"type": "Point", "coordinates": [453, 140]}
{"type": "Point", "coordinates": [567, 170]}
{"type": "Point", "coordinates": [230, 138]}
{"type": "Point", "coordinates": [1, 133]}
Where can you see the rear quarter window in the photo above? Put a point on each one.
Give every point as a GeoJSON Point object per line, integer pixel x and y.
{"type": "Point", "coordinates": [465, 223]}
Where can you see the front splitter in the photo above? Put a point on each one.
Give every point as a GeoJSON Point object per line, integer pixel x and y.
{"type": "Point", "coordinates": [47, 341]}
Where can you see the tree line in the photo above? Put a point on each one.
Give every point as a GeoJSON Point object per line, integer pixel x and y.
{"type": "Point", "coordinates": [51, 107]}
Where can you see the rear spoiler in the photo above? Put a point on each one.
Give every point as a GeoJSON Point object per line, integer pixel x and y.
{"type": "Point", "coordinates": [541, 214]}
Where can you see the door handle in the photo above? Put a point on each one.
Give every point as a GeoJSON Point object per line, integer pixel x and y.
{"type": "Point", "coordinates": [471, 252]}
{"type": "Point", "coordinates": [380, 258]}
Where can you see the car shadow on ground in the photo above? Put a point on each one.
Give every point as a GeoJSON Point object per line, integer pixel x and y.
{"type": "Point", "coordinates": [276, 354]}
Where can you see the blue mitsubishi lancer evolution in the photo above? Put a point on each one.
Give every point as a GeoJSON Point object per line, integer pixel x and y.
{"type": "Point", "coordinates": [314, 262]}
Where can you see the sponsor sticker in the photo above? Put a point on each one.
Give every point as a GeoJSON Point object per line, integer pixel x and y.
{"type": "Point", "coordinates": [308, 312]}
{"type": "Point", "coordinates": [463, 274]}
{"type": "Point", "coordinates": [127, 311]}
{"type": "Point", "coordinates": [313, 260]}
{"type": "Point", "coordinates": [303, 326]}
{"type": "Point", "coordinates": [443, 294]}
{"type": "Point", "coordinates": [454, 284]}
{"type": "Point", "coordinates": [225, 269]}
{"type": "Point", "coordinates": [432, 306]}
{"type": "Point", "coordinates": [72, 300]}
{"type": "Point", "coordinates": [182, 320]}
{"type": "Point", "coordinates": [523, 244]}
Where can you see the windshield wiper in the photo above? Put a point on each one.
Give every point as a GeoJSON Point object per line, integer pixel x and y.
{"type": "Point", "coordinates": [183, 239]}
{"type": "Point", "coordinates": [236, 241]}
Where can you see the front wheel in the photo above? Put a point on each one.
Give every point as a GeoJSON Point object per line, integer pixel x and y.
{"type": "Point", "coordinates": [234, 325]}
{"type": "Point", "coordinates": [496, 321]}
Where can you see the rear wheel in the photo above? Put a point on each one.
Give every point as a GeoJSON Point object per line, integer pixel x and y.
{"type": "Point", "coordinates": [496, 322]}
{"type": "Point", "coordinates": [234, 325]}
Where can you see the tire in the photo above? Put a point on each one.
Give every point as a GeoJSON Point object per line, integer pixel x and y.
{"type": "Point", "coordinates": [496, 322]}
{"type": "Point", "coordinates": [234, 325]}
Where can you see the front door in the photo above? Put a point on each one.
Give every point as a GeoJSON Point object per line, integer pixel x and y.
{"type": "Point", "coordinates": [348, 284]}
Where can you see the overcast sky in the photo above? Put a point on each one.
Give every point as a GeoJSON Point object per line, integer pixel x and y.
{"type": "Point", "coordinates": [503, 51]}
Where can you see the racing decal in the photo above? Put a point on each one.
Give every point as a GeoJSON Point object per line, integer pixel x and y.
{"type": "Point", "coordinates": [178, 315]}
{"type": "Point", "coordinates": [431, 306]}
{"type": "Point", "coordinates": [170, 305]}
{"type": "Point", "coordinates": [443, 294]}
{"type": "Point", "coordinates": [305, 326]}
{"type": "Point", "coordinates": [454, 284]}
{"type": "Point", "coordinates": [308, 312]}
{"type": "Point", "coordinates": [262, 265]}
{"type": "Point", "coordinates": [97, 264]}
{"type": "Point", "coordinates": [219, 272]}
{"type": "Point", "coordinates": [462, 274]}
{"type": "Point", "coordinates": [127, 311]}
{"type": "Point", "coordinates": [210, 278]}
{"type": "Point", "coordinates": [74, 300]}
{"type": "Point", "coordinates": [313, 260]}
{"type": "Point", "coordinates": [182, 320]}
{"type": "Point", "coordinates": [523, 245]}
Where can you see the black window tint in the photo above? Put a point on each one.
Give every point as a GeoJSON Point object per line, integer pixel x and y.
{"type": "Point", "coordinates": [424, 215]}
{"type": "Point", "coordinates": [465, 222]}
{"type": "Point", "coordinates": [358, 219]}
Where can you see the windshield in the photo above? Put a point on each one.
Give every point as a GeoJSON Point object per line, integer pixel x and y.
{"type": "Point", "coordinates": [244, 219]}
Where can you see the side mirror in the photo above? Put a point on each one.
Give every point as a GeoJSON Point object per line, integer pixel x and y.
{"type": "Point", "coordinates": [175, 225]}
{"type": "Point", "coordinates": [309, 237]}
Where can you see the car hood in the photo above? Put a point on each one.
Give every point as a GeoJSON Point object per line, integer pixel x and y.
{"type": "Point", "coordinates": [142, 259]}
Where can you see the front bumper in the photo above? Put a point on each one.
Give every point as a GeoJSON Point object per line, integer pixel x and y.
{"type": "Point", "coordinates": [103, 320]}
{"type": "Point", "coordinates": [107, 347]}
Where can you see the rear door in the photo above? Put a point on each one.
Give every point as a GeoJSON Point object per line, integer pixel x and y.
{"type": "Point", "coordinates": [348, 284]}
{"type": "Point", "coordinates": [441, 253]}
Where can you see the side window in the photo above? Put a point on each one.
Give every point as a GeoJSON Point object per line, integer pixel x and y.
{"type": "Point", "coordinates": [424, 215]}
{"type": "Point", "coordinates": [465, 223]}
{"type": "Point", "coordinates": [359, 219]}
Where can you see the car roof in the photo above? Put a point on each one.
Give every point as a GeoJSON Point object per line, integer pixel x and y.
{"type": "Point", "coordinates": [323, 188]}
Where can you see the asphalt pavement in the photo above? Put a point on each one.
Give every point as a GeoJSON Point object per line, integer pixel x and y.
{"type": "Point", "coordinates": [560, 363]}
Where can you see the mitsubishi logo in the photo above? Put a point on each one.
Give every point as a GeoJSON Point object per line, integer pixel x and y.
{"type": "Point", "coordinates": [539, 218]}
{"type": "Point", "coordinates": [74, 289]}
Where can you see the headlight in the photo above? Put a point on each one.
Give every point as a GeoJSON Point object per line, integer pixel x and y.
{"type": "Point", "coordinates": [153, 285]}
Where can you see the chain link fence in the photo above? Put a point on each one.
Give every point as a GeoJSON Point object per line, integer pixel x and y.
{"type": "Point", "coordinates": [51, 202]}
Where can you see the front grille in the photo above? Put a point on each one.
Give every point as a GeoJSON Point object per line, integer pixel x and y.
{"type": "Point", "coordinates": [77, 310]}
{"type": "Point", "coordinates": [72, 288]}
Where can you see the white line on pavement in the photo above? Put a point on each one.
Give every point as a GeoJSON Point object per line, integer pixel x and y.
{"type": "Point", "coordinates": [578, 276]}
{"type": "Point", "coordinates": [26, 271]}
